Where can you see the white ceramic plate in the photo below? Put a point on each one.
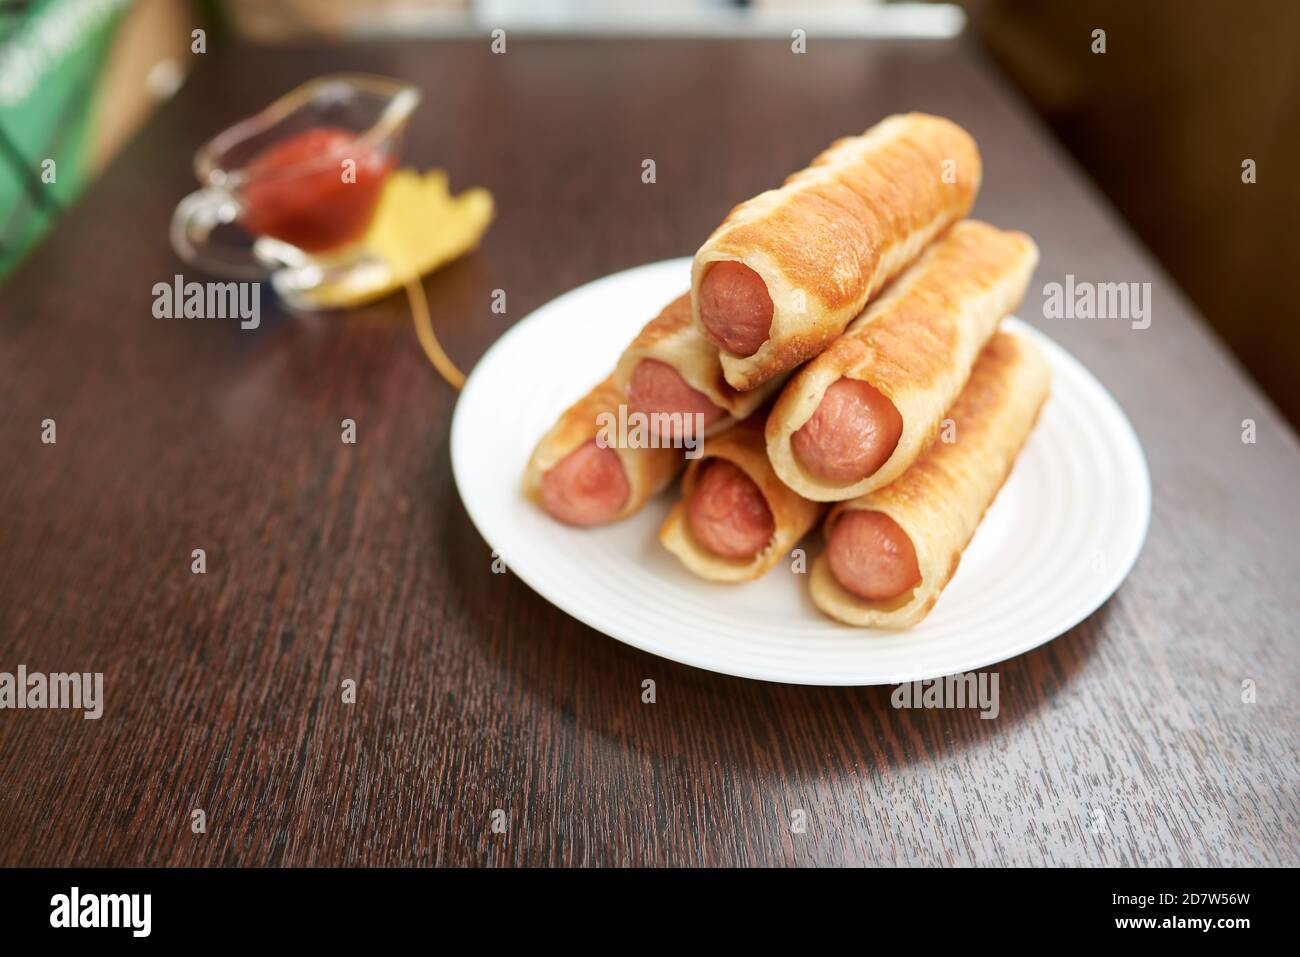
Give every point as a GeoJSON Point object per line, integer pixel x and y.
{"type": "Point", "coordinates": [1057, 542]}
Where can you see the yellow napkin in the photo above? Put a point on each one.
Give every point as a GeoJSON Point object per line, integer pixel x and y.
{"type": "Point", "coordinates": [418, 227]}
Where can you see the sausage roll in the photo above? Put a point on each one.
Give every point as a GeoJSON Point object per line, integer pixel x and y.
{"type": "Point", "coordinates": [670, 368]}
{"type": "Point", "coordinates": [582, 481]}
{"type": "Point", "coordinates": [890, 553]}
{"type": "Point", "coordinates": [856, 417]}
{"type": "Point", "coordinates": [735, 520]}
{"type": "Point", "coordinates": [788, 270]}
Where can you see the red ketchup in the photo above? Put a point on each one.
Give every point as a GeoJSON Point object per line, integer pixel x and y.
{"type": "Point", "coordinates": [299, 190]}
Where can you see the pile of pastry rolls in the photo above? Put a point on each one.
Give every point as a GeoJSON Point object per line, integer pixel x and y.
{"type": "Point", "coordinates": [838, 360]}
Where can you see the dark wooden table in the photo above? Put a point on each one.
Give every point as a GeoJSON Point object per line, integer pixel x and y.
{"type": "Point", "coordinates": [1125, 742]}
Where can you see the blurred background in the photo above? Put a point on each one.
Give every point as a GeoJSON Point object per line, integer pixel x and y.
{"type": "Point", "coordinates": [1186, 92]}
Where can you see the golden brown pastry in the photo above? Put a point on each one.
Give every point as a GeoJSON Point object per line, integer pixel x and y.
{"type": "Point", "coordinates": [856, 417]}
{"type": "Point", "coordinates": [581, 481]}
{"type": "Point", "coordinates": [889, 554]}
{"type": "Point", "coordinates": [735, 520]}
{"type": "Point", "coordinates": [788, 270]}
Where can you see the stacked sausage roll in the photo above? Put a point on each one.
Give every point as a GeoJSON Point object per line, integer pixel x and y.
{"type": "Point", "coordinates": [839, 344]}
{"type": "Point", "coordinates": [671, 375]}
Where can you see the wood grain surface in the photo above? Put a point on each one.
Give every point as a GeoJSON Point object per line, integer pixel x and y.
{"type": "Point", "coordinates": [1124, 742]}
